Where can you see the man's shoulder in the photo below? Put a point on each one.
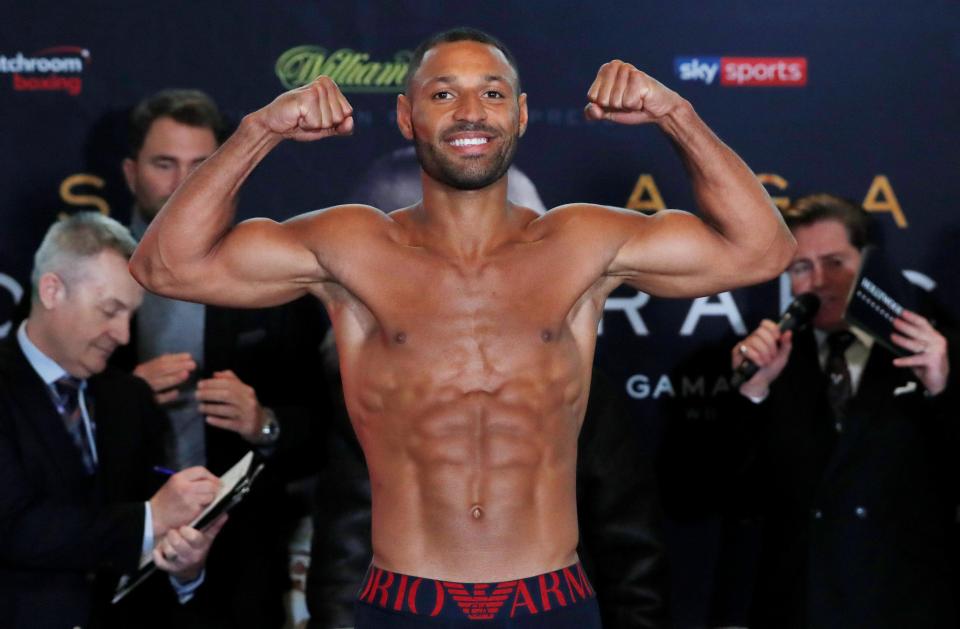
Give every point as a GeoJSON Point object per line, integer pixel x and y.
{"type": "Point", "coordinates": [9, 349]}
{"type": "Point", "coordinates": [11, 357]}
{"type": "Point", "coordinates": [571, 211]}
{"type": "Point", "coordinates": [589, 223]}
{"type": "Point", "coordinates": [20, 386]}
{"type": "Point", "coordinates": [591, 214]}
{"type": "Point", "coordinates": [343, 216]}
{"type": "Point", "coordinates": [344, 229]}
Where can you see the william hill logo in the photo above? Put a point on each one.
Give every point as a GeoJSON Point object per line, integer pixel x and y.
{"type": "Point", "coordinates": [353, 71]}
{"type": "Point", "coordinates": [58, 68]}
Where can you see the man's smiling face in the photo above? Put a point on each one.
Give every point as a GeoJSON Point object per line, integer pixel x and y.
{"type": "Point", "coordinates": [463, 114]}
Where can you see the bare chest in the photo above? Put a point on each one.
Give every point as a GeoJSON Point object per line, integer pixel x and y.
{"type": "Point", "coordinates": [516, 325]}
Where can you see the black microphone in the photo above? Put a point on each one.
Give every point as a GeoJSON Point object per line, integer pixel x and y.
{"type": "Point", "coordinates": [797, 316]}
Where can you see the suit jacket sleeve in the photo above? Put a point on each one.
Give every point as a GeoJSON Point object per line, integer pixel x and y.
{"type": "Point", "coordinates": [44, 529]}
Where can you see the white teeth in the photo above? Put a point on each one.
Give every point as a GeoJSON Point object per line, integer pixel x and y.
{"type": "Point", "coordinates": [469, 141]}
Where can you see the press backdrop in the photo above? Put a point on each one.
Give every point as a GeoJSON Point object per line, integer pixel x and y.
{"type": "Point", "coordinates": [857, 98]}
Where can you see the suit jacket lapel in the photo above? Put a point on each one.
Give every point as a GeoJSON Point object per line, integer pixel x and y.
{"type": "Point", "coordinates": [39, 416]}
{"type": "Point", "coordinates": [114, 434]}
{"type": "Point", "coordinates": [875, 392]}
{"type": "Point", "coordinates": [808, 386]}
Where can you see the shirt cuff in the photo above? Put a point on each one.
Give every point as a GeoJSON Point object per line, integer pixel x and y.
{"type": "Point", "coordinates": [757, 399]}
{"type": "Point", "coordinates": [147, 547]}
{"type": "Point", "coordinates": [186, 590]}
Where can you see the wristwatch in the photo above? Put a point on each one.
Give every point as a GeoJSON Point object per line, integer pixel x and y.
{"type": "Point", "coordinates": [270, 431]}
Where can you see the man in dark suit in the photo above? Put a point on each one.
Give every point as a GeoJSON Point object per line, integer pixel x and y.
{"type": "Point", "coordinates": [78, 505]}
{"type": "Point", "coordinates": [229, 380]}
{"type": "Point", "coordinates": [850, 451]}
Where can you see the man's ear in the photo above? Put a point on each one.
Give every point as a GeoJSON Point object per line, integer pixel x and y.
{"type": "Point", "coordinates": [130, 173]}
{"type": "Point", "coordinates": [51, 290]}
{"type": "Point", "coordinates": [522, 101]}
{"type": "Point", "coordinates": [404, 121]}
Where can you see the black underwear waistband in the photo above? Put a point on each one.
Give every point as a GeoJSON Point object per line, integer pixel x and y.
{"type": "Point", "coordinates": [476, 601]}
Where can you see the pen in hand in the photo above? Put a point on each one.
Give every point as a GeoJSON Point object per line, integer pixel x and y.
{"type": "Point", "coordinates": [163, 470]}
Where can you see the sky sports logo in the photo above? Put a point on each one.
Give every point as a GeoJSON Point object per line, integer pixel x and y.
{"type": "Point", "coordinates": [743, 71]}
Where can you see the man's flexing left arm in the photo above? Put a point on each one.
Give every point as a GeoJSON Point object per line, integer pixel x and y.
{"type": "Point", "coordinates": [740, 240]}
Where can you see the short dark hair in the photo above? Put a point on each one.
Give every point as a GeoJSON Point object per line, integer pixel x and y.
{"type": "Point", "coordinates": [461, 33]}
{"type": "Point", "coordinates": [189, 107]}
{"type": "Point", "coordinates": [814, 208]}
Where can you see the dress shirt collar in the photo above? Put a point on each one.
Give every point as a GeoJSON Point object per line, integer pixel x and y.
{"type": "Point", "coordinates": [865, 339]}
{"type": "Point", "coordinates": [48, 370]}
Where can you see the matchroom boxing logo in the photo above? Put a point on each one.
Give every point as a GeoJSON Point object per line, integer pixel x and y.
{"type": "Point", "coordinates": [58, 68]}
{"type": "Point", "coordinates": [743, 71]}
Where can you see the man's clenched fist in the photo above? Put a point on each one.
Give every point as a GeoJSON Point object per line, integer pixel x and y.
{"type": "Point", "coordinates": [623, 94]}
{"type": "Point", "coordinates": [316, 110]}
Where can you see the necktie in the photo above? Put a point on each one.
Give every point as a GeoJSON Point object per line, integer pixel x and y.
{"type": "Point", "coordinates": [839, 387]}
{"type": "Point", "coordinates": [68, 403]}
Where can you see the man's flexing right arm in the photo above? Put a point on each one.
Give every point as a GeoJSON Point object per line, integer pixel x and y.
{"type": "Point", "coordinates": [192, 250]}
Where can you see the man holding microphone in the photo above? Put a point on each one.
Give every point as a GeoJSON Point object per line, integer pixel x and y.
{"type": "Point", "coordinates": [847, 443]}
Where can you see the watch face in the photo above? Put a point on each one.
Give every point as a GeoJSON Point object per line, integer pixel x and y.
{"type": "Point", "coordinates": [270, 429]}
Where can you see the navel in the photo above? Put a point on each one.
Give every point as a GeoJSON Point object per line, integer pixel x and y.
{"type": "Point", "coordinates": [476, 511]}
{"type": "Point", "coordinates": [546, 336]}
{"type": "Point", "coordinates": [400, 338]}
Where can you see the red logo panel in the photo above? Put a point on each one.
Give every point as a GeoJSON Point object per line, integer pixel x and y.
{"type": "Point", "coordinates": [763, 71]}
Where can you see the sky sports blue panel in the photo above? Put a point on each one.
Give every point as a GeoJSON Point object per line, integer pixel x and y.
{"type": "Point", "coordinates": [701, 69]}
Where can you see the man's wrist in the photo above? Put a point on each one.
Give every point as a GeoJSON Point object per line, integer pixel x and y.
{"type": "Point", "coordinates": [185, 589]}
{"type": "Point", "coordinates": [678, 119]}
{"type": "Point", "coordinates": [755, 396]}
{"type": "Point", "coordinates": [254, 129]}
{"type": "Point", "coordinates": [931, 393]}
{"type": "Point", "coordinates": [187, 577]}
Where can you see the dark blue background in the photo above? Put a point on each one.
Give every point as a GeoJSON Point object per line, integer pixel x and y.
{"type": "Point", "coordinates": [881, 99]}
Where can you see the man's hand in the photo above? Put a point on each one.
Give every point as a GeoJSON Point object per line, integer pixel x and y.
{"type": "Point", "coordinates": [929, 361]}
{"type": "Point", "coordinates": [182, 498]}
{"type": "Point", "coordinates": [316, 110]}
{"type": "Point", "coordinates": [166, 372]}
{"type": "Point", "coordinates": [623, 94]}
{"type": "Point", "coordinates": [769, 349]}
{"type": "Point", "coordinates": [230, 403]}
{"type": "Point", "coordinates": [183, 551]}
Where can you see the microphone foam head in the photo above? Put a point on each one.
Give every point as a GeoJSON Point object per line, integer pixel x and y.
{"type": "Point", "coordinates": [801, 312]}
{"type": "Point", "coordinates": [806, 305]}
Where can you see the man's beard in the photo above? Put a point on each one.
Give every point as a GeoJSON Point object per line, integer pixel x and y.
{"type": "Point", "coordinates": [474, 175]}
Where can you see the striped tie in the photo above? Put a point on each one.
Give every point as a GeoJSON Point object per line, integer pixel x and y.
{"type": "Point", "coordinates": [839, 387]}
{"type": "Point", "coordinates": [68, 403]}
